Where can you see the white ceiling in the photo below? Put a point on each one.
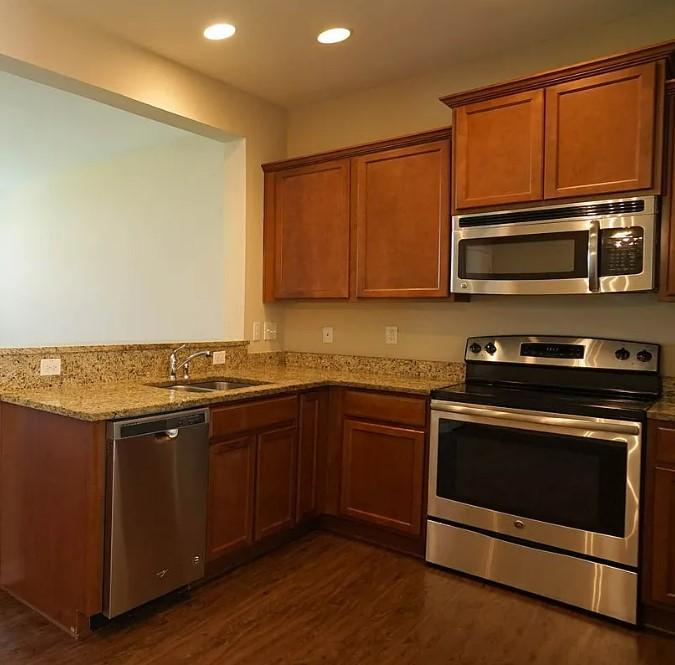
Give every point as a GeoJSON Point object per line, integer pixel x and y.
{"type": "Point", "coordinates": [275, 54]}
{"type": "Point", "coordinates": [44, 130]}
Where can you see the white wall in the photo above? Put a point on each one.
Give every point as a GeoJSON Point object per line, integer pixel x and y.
{"type": "Point", "coordinates": [130, 249]}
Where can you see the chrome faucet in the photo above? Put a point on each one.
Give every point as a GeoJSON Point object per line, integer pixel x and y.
{"type": "Point", "coordinates": [174, 366]}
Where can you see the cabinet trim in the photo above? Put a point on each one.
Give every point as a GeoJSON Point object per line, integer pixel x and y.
{"type": "Point", "coordinates": [442, 133]}
{"type": "Point", "coordinates": [663, 51]}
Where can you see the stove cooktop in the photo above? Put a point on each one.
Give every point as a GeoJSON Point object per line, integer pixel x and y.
{"type": "Point", "coordinates": [534, 398]}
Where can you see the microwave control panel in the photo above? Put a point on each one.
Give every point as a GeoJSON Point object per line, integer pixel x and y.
{"type": "Point", "coordinates": [621, 251]}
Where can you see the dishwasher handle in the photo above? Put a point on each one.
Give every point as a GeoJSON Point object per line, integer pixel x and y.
{"type": "Point", "coordinates": [166, 425]}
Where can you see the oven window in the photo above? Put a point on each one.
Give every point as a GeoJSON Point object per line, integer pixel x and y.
{"type": "Point", "coordinates": [537, 256]}
{"type": "Point", "coordinates": [572, 481]}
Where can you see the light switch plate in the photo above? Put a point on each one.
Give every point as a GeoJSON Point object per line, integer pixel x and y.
{"type": "Point", "coordinates": [219, 357]}
{"type": "Point", "coordinates": [391, 335]}
{"type": "Point", "coordinates": [327, 334]}
{"type": "Point", "coordinates": [269, 331]}
{"type": "Point", "coordinates": [256, 331]}
{"type": "Point", "coordinates": [50, 366]}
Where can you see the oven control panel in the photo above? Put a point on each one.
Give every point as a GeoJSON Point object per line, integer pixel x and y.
{"type": "Point", "coordinates": [565, 352]}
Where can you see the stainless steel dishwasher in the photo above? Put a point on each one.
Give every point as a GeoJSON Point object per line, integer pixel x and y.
{"type": "Point", "coordinates": [156, 493]}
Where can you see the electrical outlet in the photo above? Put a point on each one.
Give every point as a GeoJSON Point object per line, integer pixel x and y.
{"type": "Point", "coordinates": [50, 367]}
{"type": "Point", "coordinates": [269, 331]}
{"type": "Point", "coordinates": [219, 357]}
{"type": "Point", "coordinates": [327, 334]}
{"type": "Point", "coordinates": [391, 335]}
{"type": "Point", "coordinates": [256, 331]}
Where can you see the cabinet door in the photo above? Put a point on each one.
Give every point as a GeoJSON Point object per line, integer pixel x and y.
{"type": "Point", "coordinates": [600, 133]}
{"type": "Point", "coordinates": [275, 482]}
{"type": "Point", "coordinates": [382, 469]}
{"type": "Point", "coordinates": [403, 222]}
{"type": "Point", "coordinates": [663, 537]}
{"type": "Point", "coordinates": [498, 150]}
{"type": "Point", "coordinates": [312, 414]}
{"type": "Point", "coordinates": [230, 513]}
{"type": "Point", "coordinates": [310, 212]}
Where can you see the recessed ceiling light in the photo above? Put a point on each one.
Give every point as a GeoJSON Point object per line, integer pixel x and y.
{"type": "Point", "coordinates": [219, 31]}
{"type": "Point", "coordinates": [334, 35]}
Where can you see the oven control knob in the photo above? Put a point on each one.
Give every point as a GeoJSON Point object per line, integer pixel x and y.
{"type": "Point", "coordinates": [622, 354]}
{"type": "Point", "coordinates": [491, 348]}
{"type": "Point", "coordinates": [475, 348]}
{"type": "Point", "coordinates": [644, 356]}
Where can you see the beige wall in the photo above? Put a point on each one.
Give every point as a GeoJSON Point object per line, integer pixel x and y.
{"type": "Point", "coordinates": [60, 52]}
{"type": "Point", "coordinates": [437, 330]}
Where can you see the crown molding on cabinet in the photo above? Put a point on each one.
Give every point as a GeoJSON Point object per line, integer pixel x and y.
{"type": "Point", "coordinates": [362, 149]}
{"type": "Point", "coordinates": [664, 51]}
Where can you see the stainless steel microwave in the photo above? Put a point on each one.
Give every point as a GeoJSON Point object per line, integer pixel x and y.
{"type": "Point", "coordinates": [589, 247]}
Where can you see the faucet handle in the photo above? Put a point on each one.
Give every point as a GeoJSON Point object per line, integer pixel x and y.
{"type": "Point", "coordinates": [177, 349]}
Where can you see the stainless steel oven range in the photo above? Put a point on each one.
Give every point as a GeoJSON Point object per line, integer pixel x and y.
{"type": "Point", "coordinates": [535, 467]}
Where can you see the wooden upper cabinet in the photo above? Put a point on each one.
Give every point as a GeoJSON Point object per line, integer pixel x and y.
{"type": "Point", "coordinates": [370, 221]}
{"type": "Point", "coordinates": [307, 231]}
{"type": "Point", "coordinates": [498, 150]}
{"type": "Point", "coordinates": [402, 219]}
{"type": "Point", "coordinates": [600, 133]}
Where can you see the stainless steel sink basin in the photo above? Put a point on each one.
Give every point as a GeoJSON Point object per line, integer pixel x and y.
{"type": "Point", "coordinates": [208, 386]}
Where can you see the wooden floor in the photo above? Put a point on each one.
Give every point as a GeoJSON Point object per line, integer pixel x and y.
{"type": "Point", "coordinates": [329, 600]}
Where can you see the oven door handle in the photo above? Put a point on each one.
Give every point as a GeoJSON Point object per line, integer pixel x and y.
{"type": "Point", "coordinates": [541, 421]}
{"type": "Point", "coordinates": [593, 249]}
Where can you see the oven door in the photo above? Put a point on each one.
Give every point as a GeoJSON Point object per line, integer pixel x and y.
{"type": "Point", "coordinates": [588, 255]}
{"type": "Point", "coordinates": [568, 482]}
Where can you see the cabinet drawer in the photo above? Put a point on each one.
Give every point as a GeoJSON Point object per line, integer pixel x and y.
{"type": "Point", "coordinates": [665, 444]}
{"type": "Point", "coordinates": [387, 408]}
{"type": "Point", "coordinates": [228, 420]}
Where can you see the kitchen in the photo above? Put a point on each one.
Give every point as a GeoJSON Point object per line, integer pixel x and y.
{"type": "Point", "coordinates": [355, 323]}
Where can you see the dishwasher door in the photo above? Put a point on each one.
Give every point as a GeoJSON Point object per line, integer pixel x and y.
{"type": "Point", "coordinates": [156, 498]}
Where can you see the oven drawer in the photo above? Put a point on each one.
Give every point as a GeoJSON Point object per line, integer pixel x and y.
{"type": "Point", "coordinates": [592, 586]}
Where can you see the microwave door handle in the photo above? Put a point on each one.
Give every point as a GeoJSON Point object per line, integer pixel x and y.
{"type": "Point", "coordinates": [593, 242]}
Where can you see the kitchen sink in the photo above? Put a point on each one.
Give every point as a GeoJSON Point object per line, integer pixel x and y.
{"type": "Point", "coordinates": [208, 386]}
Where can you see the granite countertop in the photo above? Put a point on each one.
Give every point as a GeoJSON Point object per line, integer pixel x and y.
{"type": "Point", "coordinates": [664, 409]}
{"type": "Point", "coordinates": [109, 401]}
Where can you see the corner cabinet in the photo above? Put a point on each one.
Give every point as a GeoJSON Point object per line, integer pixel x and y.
{"type": "Point", "coordinates": [371, 221]}
{"type": "Point", "coordinates": [383, 461]}
{"type": "Point", "coordinates": [582, 131]}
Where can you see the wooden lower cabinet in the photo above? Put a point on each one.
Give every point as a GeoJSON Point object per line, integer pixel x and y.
{"type": "Point", "coordinates": [311, 431]}
{"type": "Point", "coordinates": [663, 539]}
{"type": "Point", "coordinates": [231, 490]}
{"type": "Point", "coordinates": [659, 546]}
{"type": "Point", "coordinates": [382, 475]}
{"type": "Point", "coordinates": [252, 476]}
{"type": "Point", "coordinates": [275, 482]}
